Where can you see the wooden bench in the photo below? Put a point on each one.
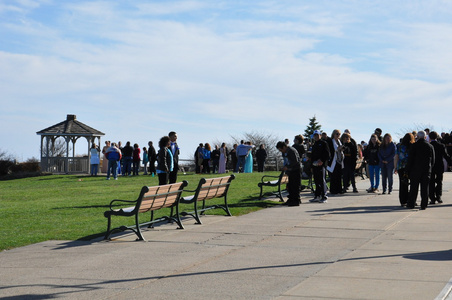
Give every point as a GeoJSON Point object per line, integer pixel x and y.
{"type": "Point", "coordinates": [150, 199]}
{"type": "Point", "coordinates": [283, 178]}
{"type": "Point", "coordinates": [208, 189]}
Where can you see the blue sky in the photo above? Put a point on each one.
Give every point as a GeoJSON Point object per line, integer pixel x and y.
{"type": "Point", "coordinates": [210, 70]}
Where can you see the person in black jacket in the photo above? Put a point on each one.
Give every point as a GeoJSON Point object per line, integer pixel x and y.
{"type": "Point", "coordinates": [261, 156]}
{"type": "Point", "coordinates": [292, 168]}
{"type": "Point", "coordinates": [152, 156]}
{"type": "Point", "coordinates": [350, 157]}
{"type": "Point", "coordinates": [436, 180]}
{"type": "Point", "coordinates": [165, 163]}
{"type": "Point", "coordinates": [421, 159]}
{"type": "Point", "coordinates": [320, 154]}
{"type": "Point", "coordinates": [175, 151]}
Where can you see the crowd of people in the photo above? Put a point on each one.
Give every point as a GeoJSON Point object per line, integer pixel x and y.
{"type": "Point", "coordinates": [127, 160]}
{"type": "Point", "coordinates": [419, 159]}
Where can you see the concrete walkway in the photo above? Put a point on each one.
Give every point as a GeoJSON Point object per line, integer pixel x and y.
{"type": "Point", "coordinates": [356, 246]}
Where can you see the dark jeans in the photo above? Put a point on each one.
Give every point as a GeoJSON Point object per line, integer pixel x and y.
{"type": "Point", "coordinates": [127, 168]}
{"type": "Point", "coordinates": [240, 163]}
{"type": "Point", "coordinates": [319, 181]}
{"type": "Point", "coordinates": [112, 168]}
{"type": "Point", "coordinates": [417, 179]}
{"type": "Point", "coordinates": [206, 166]}
{"type": "Point", "coordinates": [403, 187]}
{"type": "Point", "coordinates": [293, 186]}
{"type": "Point", "coordinates": [260, 165]}
{"type": "Point", "coordinates": [436, 186]}
{"type": "Point", "coordinates": [163, 178]}
{"type": "Point", "coordinates": [336, 180]}
{"type": "Point", "coordinates": [172, 177]}
{"type": "Point", "coordinates": [387, 171]}
{"type": "Point", "coordinates": [349, 175]}
{"type": "Point", "coordinates": [136, 167]}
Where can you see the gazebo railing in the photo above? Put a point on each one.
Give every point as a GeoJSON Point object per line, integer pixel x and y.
{"type": "Point", "coordinates": [64, 165]}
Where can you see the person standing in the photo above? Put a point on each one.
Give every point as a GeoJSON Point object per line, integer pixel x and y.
{"type": "Point", "coordinates": [242, 151]}
{"type": "Point", "coordinates": [165, 161]}
{"type": "Point", "coordinates": [261, 156]}
{"type": "Point", "coordinates": [234, 158]}
{"type": "Point", "coordinates": [95, 159]}
{"type": "Point", "coordinates": [373, 165]}
{"type": "Point", "coordinates": [320, 155]}
{"type": "Point", "coordinates": [386, 155]}
{"type": "Point", "coordinates": [249, 162]}
{"type": "Point", "coordinates": [104, 158]}
{"type": "Point", "coordinates": [127, 153]}
{"type": "Point", "coordinates": [293, 170]}
{"type": "Point", "coordinates": [420, 162]}
{"type": "Point", "coordinates": [114, 156]}
{"type": "Point", "coordinates": [145, 161]}
{"type": "Point", "coordinates": [198, 158]}
{"type": "Point", "coordinates": [350, 156]}
{"type": "Point", "coordinates": [298, 144]}
{"type": "Point", "coordinates": [436, 180]}
{"type": "Point", "coordinates": [152, 156]}
{"type": "Point", "coordinates": [222, 162]}
{"type": "Point", "coordinates": [336, 162]}
{"type": "Point", "coordinates": [206, 152]}
{"type": "Point", "coordinates": [175, 153]}
{"type": "Point", "coordinates": [136, 159]}
{"type": "Point", "coordinates": [215, 157]}
{"type": "Point", "coordinates": [400, 162]}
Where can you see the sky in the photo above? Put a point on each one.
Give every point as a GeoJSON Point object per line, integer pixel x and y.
{"type": "Point", "coordinates": [213, 70]}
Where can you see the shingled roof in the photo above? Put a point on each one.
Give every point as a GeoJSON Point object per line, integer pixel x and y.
{"type": "Point", "coordinates": [70, 127]}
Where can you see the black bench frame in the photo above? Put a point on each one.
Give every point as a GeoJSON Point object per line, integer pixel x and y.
{"type": "Point", "coordinates": [149, 200]}
{"type": "Point", "coordinates": [281, 179]}
{"type": "Point", "coordinates": [208, 189]}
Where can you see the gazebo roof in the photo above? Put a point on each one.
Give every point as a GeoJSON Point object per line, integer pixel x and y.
{"type": "Point", "coordinates": [70, 127]}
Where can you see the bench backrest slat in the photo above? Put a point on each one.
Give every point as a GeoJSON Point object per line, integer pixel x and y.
{"type": "Point", "coordinates": [161, 196]}
{"type": "Point", "coordinates": [213, 188]}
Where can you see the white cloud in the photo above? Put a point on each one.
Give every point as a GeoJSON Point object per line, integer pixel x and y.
{"type": "Point", "coordinates": [211, 70]}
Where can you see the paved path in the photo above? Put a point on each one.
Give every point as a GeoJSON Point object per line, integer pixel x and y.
{"type": "Point", "coordinates": [356, 246]}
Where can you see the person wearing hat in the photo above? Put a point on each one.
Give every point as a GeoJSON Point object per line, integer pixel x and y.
{"type": "Point", "coordinates": [320, 154]}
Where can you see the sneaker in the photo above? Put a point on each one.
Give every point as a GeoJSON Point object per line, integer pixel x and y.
{"type": "Point", "coordinates": [370, 190]}
{"type": "Point", "coordinates": [316, 199]}
{"type": "Point", "coordinates": [108, 178]}
{"type": "Point", "coordinates": [324, 200]}
{"type": "Point", "coordinates": [376, 191]}
{"type": "Point", "coordinates": [355, 190]}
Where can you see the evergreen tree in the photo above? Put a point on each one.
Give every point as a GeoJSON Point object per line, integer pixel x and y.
{"type": "Point", "coordinates": [313, 125]}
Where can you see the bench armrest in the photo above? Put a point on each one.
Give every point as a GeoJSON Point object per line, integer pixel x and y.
{"type": "Point", "coordinates": [268, 176]}
{"type": "Point", "coordinates": [120, 201]}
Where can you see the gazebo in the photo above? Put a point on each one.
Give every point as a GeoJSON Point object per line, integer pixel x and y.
{"type": "Point", "coordinates": [71, 130]}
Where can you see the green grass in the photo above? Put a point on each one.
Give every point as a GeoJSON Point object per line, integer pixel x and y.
{"type": "Point", "coordinates": [70, 207]}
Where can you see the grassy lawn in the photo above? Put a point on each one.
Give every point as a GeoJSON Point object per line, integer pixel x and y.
{"type": "Point", "coordinates": [70, 207]}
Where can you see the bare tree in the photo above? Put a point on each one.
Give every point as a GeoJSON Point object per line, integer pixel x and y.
{"type": "Point", "coordinates": [416, 127]}
{"type": "Point", "coordinates": [59, 148]}
{"type": "Point", "coordinates": [257, 138]}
